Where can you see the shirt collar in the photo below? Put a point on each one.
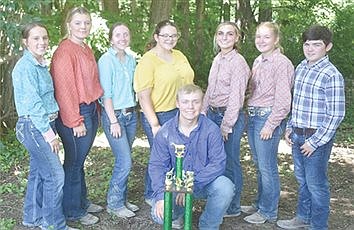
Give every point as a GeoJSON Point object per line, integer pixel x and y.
{"type": "Point", "coordinates": [271, 57]}
{"type": "Point", "coordinates": [27, 54]}
{"type": "Point", "coordinates": [228, 56]}
{"type": "Point", "coordinates": [175, 121]}
{"type": "Point", "coordinates": [319, 64]}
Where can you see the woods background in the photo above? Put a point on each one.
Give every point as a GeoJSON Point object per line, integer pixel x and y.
{"type": "Point", "coordinates": [197, 21]}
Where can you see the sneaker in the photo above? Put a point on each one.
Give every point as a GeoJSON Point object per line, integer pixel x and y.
{"type": "Point", "coordinates": [257, 218]}
{"type": "Point", "coordinates": [94, 208]}
{"type": "Point", "coordinates": [248, 209]}
{"type": "Point", "coordinates": [149, 201]}
{"type": "Point", "coordinates": [294, 223]}
{"type": "Point", "coordinates": [132, 207]}
{"type": "Point", "coordinates": [89, 219]}
{"type": "Point", "coordinates": [123, 212]}
{"type": "Point", "coordinates": [232, 214]}
{"type": "Point", "coordinates": [178, 223]}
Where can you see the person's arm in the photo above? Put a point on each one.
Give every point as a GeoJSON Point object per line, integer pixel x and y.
{"type": "Point", "coordinates": [106, 74]}
{"type": "Point", "coordinates": [66, 93]}
{"type": "Point", "coordinates": [216, 159]}
{"type": "Point", "coordinates": [145, 102]}
{"type": "Point", "coordinates": [335, 112]}
{"type": "Point", "coordinates": [282, 97]}
{"type": "Point", "coordinates": [238, 86]}
{"type": "Point", "coordinates": [114, 124]}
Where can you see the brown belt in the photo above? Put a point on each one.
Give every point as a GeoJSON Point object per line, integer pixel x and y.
{"type": "Point", "coordinates": [217, 109]}
{"type": "Point", "coordinates": [304, 131]}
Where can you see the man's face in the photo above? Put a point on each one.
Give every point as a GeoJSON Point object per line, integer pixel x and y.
{"type": "Point", "coordinates": [189, 105]}
{"type": "Point", "coordinates": [314, 50]}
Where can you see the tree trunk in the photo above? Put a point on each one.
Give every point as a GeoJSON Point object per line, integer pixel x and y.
{"type": "Point", "coordinates": [183, 23]}
{"type": "Point", "coordinates": [265, 11]}
{"type": "Point", "coordinates": [159, 10]}
{"type": "Point", "coordinates": [246, 16]}
{"type": "Point", "coordinates": [200, 4]}
{"type": "Point", "coordinates": [226, 11]}
{"type": "Point", "coordinates": [110, 6]}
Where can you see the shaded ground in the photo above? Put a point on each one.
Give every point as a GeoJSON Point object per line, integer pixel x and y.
{"type": "Point", "coordinates": [99, 165]}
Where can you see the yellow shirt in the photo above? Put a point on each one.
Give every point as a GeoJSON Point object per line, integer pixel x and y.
{"type": "Point", "coordinates": [164, 78]}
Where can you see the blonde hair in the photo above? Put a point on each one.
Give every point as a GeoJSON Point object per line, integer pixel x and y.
{"type": "Point", "coordinates": [216, 47]}
{"type": "Point", "coordinates": [274, 27]}
{"type": "Point", "coordinates": [188, 89]}
{"type": "Point", "coordinates": [70, 15]}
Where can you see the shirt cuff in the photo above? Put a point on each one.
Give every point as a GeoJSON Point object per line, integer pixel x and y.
{"type": "Point", "coordinates": [49, 136]}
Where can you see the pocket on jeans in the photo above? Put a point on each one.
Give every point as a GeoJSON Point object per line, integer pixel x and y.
{"type": "Point", "coordinates": [20, 132]}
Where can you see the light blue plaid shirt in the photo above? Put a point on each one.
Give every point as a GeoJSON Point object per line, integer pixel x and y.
{"type": "Point", "coordinates": [318, 100]}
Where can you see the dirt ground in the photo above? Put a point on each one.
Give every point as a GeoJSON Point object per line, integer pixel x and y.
{"type": "Point", "coordinates": [98, 167]}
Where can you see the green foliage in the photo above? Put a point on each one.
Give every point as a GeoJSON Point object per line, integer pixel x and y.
{"type": "Point", "coordinates": [11, 151]}
{"type": "Point", "coordinates": [7, 224]}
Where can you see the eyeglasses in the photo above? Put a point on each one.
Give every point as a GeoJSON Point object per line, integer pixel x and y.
{"type": "Point", "coordinates": [172, 36]}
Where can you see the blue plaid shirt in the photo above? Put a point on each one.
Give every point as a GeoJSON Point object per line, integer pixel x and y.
{"type": "Point", "coordinates": [318, 100]}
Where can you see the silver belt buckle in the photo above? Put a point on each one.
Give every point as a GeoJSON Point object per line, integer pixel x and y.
{"type": "Point", "coordinates": [53, 116]}
{"type": "Point", "coordinates": [125, 113]}
{"type": "Point", "coordinates": [251, 111]}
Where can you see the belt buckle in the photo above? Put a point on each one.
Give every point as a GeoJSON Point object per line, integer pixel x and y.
{"type": "Point", "coordinates": [252, 113]}
{"type": "Point", "coordinates": [125, 112]}
{"type": "Point", "coordinates": [262, 113]}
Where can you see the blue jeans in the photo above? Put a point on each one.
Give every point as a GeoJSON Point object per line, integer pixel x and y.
{"type": "Point", "coordinates": [264, 153]}
{"type": "Point", "coordinates": [232, 148]}
{"type": "Point", "coordinates": [44, 195]}
{"type": "Point", "coordinates": [218, 195]}
{"type": "Point", "coordinates": [311, 174]}
{"type": "Point", "coordinates": [122, 151]}
{"type": "Point", "coordinates": [163, 117]}
{"type": "Point", "coordinates": [75, 202]}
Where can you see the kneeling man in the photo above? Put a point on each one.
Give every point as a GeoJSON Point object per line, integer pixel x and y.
{"type": "Point", "coordinates": [204, 155]}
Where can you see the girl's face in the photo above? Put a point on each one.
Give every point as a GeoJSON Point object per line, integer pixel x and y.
{"type": "Point", "coordinates": [120, 38]}
{"type": "Point", "coordinates": [266, 41]}
{"type": "Point", "coordinates": [167, 38]}
{"type": "Point", "coordinates": [79, 27]}
{"type": "Point", "coordinates": [37, 42]}
{"type": "Point", "coordinates": [226, 37]}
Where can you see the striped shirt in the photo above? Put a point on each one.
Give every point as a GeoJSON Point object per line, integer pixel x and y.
{"type": "Point", "coordinates": [271, 83]}
{"type": "Point", "coordinates": [319, 100]}
{"type": "Point", "coordinates": [227, 85]}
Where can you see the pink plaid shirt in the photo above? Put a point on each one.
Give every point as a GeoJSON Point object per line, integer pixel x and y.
{"type": "Point", "coordinates": [227, 84]}
{"type": "Point", "coordinates": [271, 83]}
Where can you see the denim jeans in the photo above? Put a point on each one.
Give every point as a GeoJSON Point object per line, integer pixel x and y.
{"type": "Point", "coordinates": [75, 202]}
{"type": "Point", "coordinates": [264, 153]}
{"type": "Point", "coordinates": [44, 194]}
{"type": "Point", "coordinates": [163, 117]}
{"type": "Point", "coordinates": [311, 174]}
{"type": "Point", "coordinates": [232, 148]}
{"type": "Point", "coordinates": [218, 195]}
{"type": "Point", "coordinates": [122, 151]}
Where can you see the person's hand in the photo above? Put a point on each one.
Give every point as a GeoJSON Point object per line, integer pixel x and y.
{"type": "Point", "coordinates": [225, 135]}
{"type": "Point", "coordinates": [116, 130]}
{"type": "Point", "coordinates": [266, 133]}
{"type": "Point", "coordinates": [287, 137]}
{"type": "Point", "coordinates": [159, 208]}
{"type": "Point", "coordinates": [154, 129]}
{"type": "Point", "coordinates": [55, 145]}
{"type": "Point", "coordinates": [306, 149]}
{"type": "Point", "coordinates": [80, 131]}
{"type": "Point", "coordinates": [180, 199]}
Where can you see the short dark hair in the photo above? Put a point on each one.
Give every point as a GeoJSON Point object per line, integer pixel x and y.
{"type": "Point", "coordinates": [317, 32]}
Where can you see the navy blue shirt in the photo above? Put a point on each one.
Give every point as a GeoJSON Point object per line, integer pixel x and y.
{"type": "Point", "coordinates": [204, 153]}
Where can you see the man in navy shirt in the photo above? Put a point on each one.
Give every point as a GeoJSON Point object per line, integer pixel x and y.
{"type": "Point", "coordinates": [317, 110]}
{"type": "Point", "coordinates": [204, 155]}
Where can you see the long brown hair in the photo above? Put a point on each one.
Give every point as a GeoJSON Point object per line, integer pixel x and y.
{"type": "Point", "coordinates": [152, 43]}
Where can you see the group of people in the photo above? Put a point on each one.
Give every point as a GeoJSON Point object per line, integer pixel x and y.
{"type": "Point", "coordinates": [68, 99]}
